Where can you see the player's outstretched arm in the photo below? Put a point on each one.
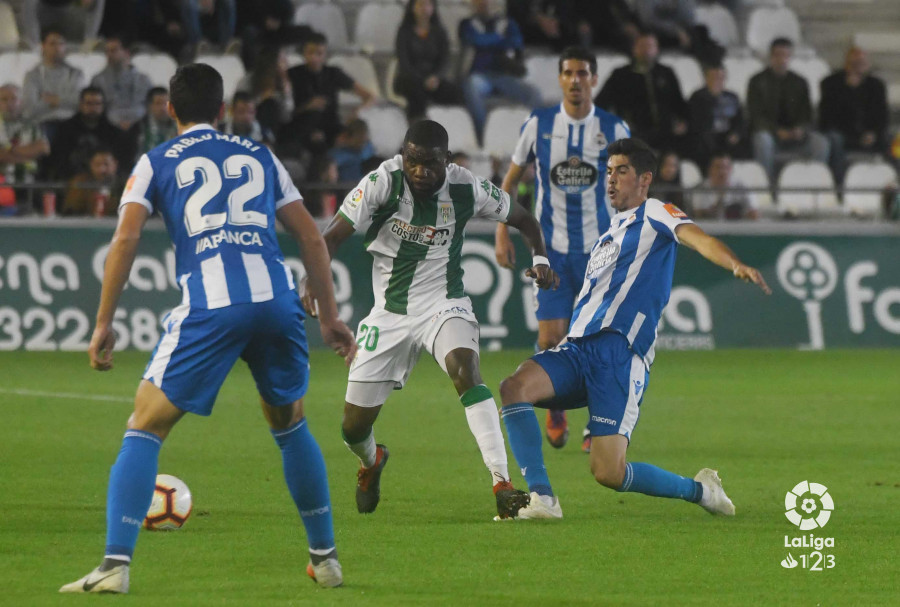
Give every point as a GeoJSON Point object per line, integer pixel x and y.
{"type": "Point", "coordinates": [119, 258]}
{"type": "Point", "coordinates": [503, 245]}
{"type": "Point", "coordinates": [316, 258]}
{"type": "Point", "coordinates": [718, 252]}
{"type": "Point", "coordinates": [544, 277]}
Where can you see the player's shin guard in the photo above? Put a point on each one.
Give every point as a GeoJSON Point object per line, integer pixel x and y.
{"type": "Point", "coordinates": [304, 472]}
{"type": "Point", "coordinates": [484, 423]}
{"type": "Point", "coordinates": [131, 483]}
{"type": "Point", "coordinates": [526, 443]}
{"type": "Point", "coordinates": [651, 480]}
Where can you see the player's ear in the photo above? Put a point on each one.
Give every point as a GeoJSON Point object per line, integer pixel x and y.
{"type": "Point", "coordinates": [645, 179]}
{"type": "Point", "coordinates": [447, 156]}
{"type": "Point", "coordinates": [221, 115]}
{"type": "Point", "coordinates": [170, 109]}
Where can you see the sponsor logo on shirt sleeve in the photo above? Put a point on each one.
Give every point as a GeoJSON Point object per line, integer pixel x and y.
{"type": "Point", "coordinates": [674, 211]}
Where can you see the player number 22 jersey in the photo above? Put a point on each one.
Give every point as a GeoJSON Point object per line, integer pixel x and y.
{"type": "Point", "coordinates": [218, 195]}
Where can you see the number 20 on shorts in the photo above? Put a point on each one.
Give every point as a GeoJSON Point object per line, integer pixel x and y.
{"type": "Point", "coordinates": [368, 337]}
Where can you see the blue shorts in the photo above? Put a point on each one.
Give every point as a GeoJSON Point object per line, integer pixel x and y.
{"type": "Point", "coordinates": [199, 347]}
{"type": "Point", "coordinates": [599, 371]}
{"type": "Point", "coordinates": [559, 303]}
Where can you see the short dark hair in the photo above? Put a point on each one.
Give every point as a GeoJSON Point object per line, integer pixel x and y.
{"type": "Point", "coordinates": [427, 133]}
{"type": "Point", "coordinates": [49, 31]}
{"type": "Point", "coordinates": [123, 38]}
{"type": "Point", "coordinates": [195, 91]}
{"type": "Point", "coordinates": [315, 38]}
{"type": "Point", "coordinates": [578, 53]}
{"type": "Point", "coordinates": [241, 97]}
{"type": "Point", "coordinates": [91, 90]}
{"type": "Point", "coordinates": [156, 90]}
{"type": "Point", "coordinates": [640, 155]}
{"type": "Point", "coordinates": [781, 41]}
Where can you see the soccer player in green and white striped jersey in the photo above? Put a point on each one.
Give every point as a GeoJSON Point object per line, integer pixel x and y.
{"type": "Point", "coordinates": [413, 211]}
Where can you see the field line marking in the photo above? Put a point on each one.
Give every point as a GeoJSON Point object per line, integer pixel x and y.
{"type": "Point", "coordinates": [98, 397]}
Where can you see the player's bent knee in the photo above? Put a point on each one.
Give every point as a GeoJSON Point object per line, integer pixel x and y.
{"type": "Point", "coordinates": [358, 421]}
{"type": "Point", "coordinates": [610, 476]}
{"type": "Point", "coordinates": [285, 416]}
{"type": "Point", "coordinates": [511, 390]}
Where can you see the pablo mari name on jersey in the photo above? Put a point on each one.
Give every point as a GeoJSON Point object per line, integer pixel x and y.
{"type": "Point", "coordinates": [185, 142]}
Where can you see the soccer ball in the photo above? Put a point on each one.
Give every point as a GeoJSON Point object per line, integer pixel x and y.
{"type": "Point", "coordinates": [171, 504]}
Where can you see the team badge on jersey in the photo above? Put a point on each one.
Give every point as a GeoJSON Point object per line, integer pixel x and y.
{"type": "Point", "coordinates": [445, 211]}
{"type": "Point", "coordinates": [574, 176]}
{"type": "Point", "coordinates": [674, 211]}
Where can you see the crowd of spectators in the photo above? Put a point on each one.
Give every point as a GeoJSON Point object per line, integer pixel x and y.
{"type": "Point", "coordinates": [55, 128]}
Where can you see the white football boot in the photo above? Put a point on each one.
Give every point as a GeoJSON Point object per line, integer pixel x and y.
{"type": "Point", "coordinates": [327, 574]}
{"type": "Point", "coordinates": [541, 506]}
{"type": "Point", "coordinates": [714, 499]}
{"type": "Point", "coordinates": [115, 580]}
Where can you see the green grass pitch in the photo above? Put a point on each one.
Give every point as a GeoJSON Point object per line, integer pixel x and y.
{"type": "Point", "coordinates": [765, 419]}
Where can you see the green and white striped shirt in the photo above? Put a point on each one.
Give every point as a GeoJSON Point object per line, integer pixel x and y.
{"type": "Point", "coordinates": [417, 245]}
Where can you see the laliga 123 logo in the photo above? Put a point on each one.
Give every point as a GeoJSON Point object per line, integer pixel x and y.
{"type": "Point", "coordinates": [808, 505]}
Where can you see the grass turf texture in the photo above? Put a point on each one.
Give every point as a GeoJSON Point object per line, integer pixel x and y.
{"type": "Point", "coordinates": [765, 419]}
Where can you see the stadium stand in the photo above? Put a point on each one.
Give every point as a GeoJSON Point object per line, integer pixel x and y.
{"type": "Point", "coordinates": [326, 18]}
{"type": "Point", "coordinates": [739, 70]}
{"type": "Point", "coordinates": [753, 176]}
{"type": "Point", "coordinates": [387, 126]}
{"type": "Point", "coordinates": [390, 73]}
{"type": "Point", "coordinates": [501, 131]}
{"type": "Point", "coordinates": [767, 23]}
{"type": "Point", "coordinates": [15, 64]}
{"type": "Point", "coordinates": [720, 23]}
{"type": "Point", "coordinates": [89, 63]}
{"type": "Point", "coordinates": [159, 67]}
{"type": "Point", "coordinates": [459, 126]}
{"type": "Point", "coordinates": [813, 69]}
{"type": "Point", "coordinates": [867, 175]}
{"type": "Point", "coordinates": [686, 69]}
{"type": "Point", "coordinates": [816, 176]}
{"type": "Point", "coordinates": [450, 15]}
{"type": "Point", "coordinates": [9, 33]}
{"type": "Point", "coordinates": [690, 173]}
{"type": "Point", "coordinates": [376, 27]}
{"type": "Point", "coordinates": [362, 70]}
{"type": "Point", "coordinates": [543, 72]}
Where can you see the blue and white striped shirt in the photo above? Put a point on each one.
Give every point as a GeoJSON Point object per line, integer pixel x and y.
{"type": "Point", "coordinates": [570, 170]}
{"type": "Point", "coordinates": [629, 276]}
{"type": "Point", "coordinates": [218, 195]}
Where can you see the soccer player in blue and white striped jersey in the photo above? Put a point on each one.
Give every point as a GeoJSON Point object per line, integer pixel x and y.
{"type": "Point", "coordinates": [568, 145]}
{"type": "Point", "coordinates": [219, 196]}
{"type": "Point", "coordinates": [605, 362]}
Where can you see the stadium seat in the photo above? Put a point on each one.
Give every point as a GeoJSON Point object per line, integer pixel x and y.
{"type": "Point", "coordinates": [159, 67]}
{"type": "Point", "coordinates": [720, 23]}
{"type": "Point", "coordinates": [871, 176]}
{"type": "Point", "coordinates": [294, 58]}
{"type": "Point", "coordinates": [480, 165]}
{"type": "Point", "coordinates": [813, 69]}
{"type": "Point", "coordinates": [807, 174]}
{"type": "Point", "coordinates": [389, 94]}
{"type": "Point", "coordinates": [605, 66]}
{"type": "Point", "coordinates": [9, 33]}
{"type": "Point", "coordinates": [450, 15]}
{"type": "Point", "coordinates": [543, 72]}
{"type": "Point", "coordinates": [376, 27]}
{"type": "Point", "coordinates": [501, 131]}
{"type": "Point", "coordinates": [687, 70]}
{"type": "Point", "coordinates": [767, 23]}
{"type": "Point", "coordinates": [459, 126]}
{"type": "Point", "coordinates": [691, 176]}
{"type": "Point", "coordinates": [387, 127]}
{"type": "Point", "coordinates": [361, 69]}
{"type": "Point", "coordinates": [89, 63]}
{"type": "Point", "coordinates": [753, 177]}
{"type": "Point", "coordinates": [739, 70]}
{"type": "Point", "coordinates": [325, 18]}
{"type": "Point", "coordinates": [15, 64]}
{"type": "Point", "coordinates": [230, 67]}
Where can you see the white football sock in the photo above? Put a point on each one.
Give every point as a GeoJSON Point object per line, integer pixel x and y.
{"type": "Point", "coordinates": [364, 450]}
{"type": "Point", "coordinates": [484, 423]}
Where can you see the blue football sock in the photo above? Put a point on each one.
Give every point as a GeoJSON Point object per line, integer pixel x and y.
{"type": "Point", "coordinates": [651, 480]}
{"type": "Point", "coordinates": [131, 483]}
{"type": "Point", "coordinates": [304, 472]}
{"type": "Point", "coordinates": [526, 443]}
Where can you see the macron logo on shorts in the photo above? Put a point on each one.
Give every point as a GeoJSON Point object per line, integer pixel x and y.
{"type": "Point", "coordinates": [603, 420]}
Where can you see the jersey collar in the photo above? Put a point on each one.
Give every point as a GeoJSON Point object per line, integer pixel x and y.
{"type": "Point", "coordinates": [199, 127]}
{"type": "Point", "coordinates": [570, 120]}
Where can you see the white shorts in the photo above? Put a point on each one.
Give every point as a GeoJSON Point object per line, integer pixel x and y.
{"type": "Point", "coordinates": [390, 344]}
